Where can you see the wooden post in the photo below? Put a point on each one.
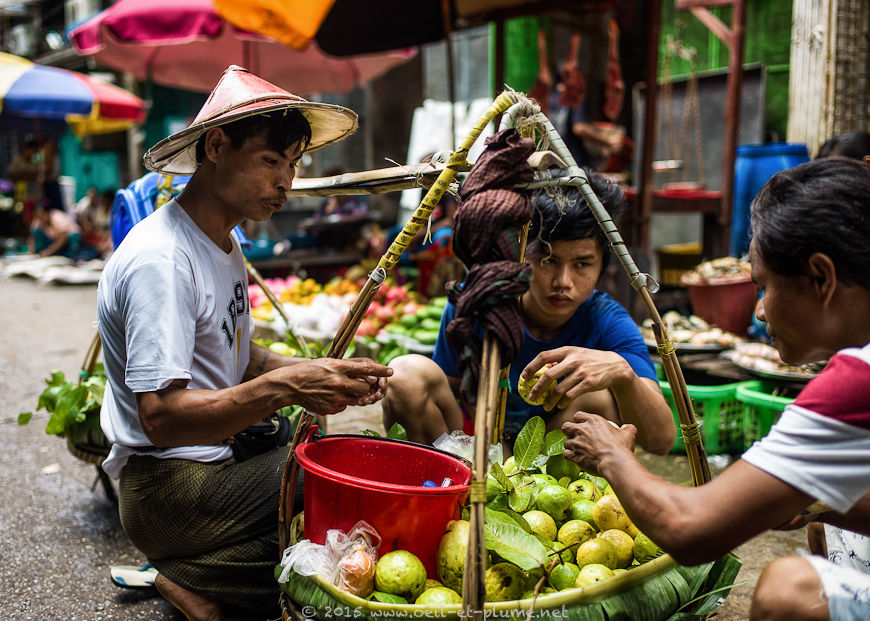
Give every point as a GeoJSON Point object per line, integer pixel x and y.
{"type": "Point", "coordinates": [733, 38]}
{"type": "Point", "coordinates": [650, 125]}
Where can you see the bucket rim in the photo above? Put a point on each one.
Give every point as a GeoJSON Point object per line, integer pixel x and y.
{"type": "Point", "coordinates": [308, 464]}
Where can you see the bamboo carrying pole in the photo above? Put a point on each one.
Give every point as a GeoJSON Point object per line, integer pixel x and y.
{"type": "Point", "coordinates": [458, 161]}
{"type": "Point", "coordinates": [488, 402]}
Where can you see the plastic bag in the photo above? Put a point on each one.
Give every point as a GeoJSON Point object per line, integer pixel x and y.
{"type": "Point", "coordinates": [462, 444]}
{"type": "Point", "coordinates": [345, 560]}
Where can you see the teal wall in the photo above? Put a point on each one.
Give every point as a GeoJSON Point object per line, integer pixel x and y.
{"type": "Point", "coordinates": [169, 108]}
{"type": "Point", "coordinates": [98, 169]}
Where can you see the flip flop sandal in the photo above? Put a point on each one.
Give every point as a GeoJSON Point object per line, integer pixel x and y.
{"type": "Point", "coordinates": [133, 577]}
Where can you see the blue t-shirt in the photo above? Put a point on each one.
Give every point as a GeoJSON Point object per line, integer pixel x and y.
{"type": "Point", "coordinates": [599, 323]}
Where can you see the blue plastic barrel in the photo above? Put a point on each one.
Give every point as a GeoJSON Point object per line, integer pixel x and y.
{"type": "Point", "coordinates": [754, 165]}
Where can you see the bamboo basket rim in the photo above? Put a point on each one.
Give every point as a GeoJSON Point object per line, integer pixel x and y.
{"type": "Point", "coordinates": [88, 452]}
{"type": "Point", "coordinates": [576, 596]}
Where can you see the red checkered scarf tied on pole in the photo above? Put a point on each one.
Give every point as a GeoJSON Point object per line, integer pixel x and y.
{"type": "Point", "coordinates": [486, 238]}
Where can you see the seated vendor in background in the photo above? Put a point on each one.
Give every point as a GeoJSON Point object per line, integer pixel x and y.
{"type": "Point", "coordinates": [809, 253]}
{"type": "Point", "coordinates": [52, 232]}
{"type": "Point", "coordinates": [597, 351]}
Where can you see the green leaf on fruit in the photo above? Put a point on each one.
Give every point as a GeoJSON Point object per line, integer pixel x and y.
{"type": "Point", "coordinates": [529, 442]}
{"type": "Point", "coordinates": [24, 417]}
{"type": "Point", "coordinates": [513, 544]}
{"type": "Point", "coordinates": [539, 462]}
{"type": "Point", "coordinates": [555, 437]}
{"type": "Point", "coordinates": [520, 499]}
{"type": "Point", "coordinates": [499, 503]}
{"type": "Point", "coordinates": [509, 516]}
{"type": "Point", "coordinates": [499, 475]}
{"type": "Point", "coordinates": [388, 598]}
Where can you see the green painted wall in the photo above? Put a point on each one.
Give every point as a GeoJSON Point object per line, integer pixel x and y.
{"type": "Point", "coordinates": [521, 54]}
{"type": "Point", "coordinates": [768, 41]}
{"type": "Point", "coordinates": [171, 109]}
{"type": "Point", "coordinates": [97, 169]}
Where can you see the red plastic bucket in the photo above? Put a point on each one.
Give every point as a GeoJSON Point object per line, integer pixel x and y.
{"type": "Point", "coordinates": [728, 304]}
{"type": "Point", "coordinates": [379, 480]}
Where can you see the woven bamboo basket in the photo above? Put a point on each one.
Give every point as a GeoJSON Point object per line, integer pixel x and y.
{"type": "Point", "coordinates": [655, 590]}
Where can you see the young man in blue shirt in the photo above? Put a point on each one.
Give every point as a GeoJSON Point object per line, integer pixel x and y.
{"type": "Point", "coordinates": [594, 348]}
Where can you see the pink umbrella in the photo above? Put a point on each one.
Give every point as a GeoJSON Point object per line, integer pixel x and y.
{"type": "Point", "coordinates": [186, 44]}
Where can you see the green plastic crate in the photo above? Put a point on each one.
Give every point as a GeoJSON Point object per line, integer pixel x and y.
{"type": "Point", "coordinates": [719, 414]}
{"type": "Point", "coordinates": [760, 410]}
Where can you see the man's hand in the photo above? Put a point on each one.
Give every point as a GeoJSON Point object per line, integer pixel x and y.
{"type": "Point", "coordinates": [328, 385]}
{"type": "Point", "coordinates": [582, 370]}
{"type": "Point", "coordinates": [378, 387]}
{"type": "Point", "coordinates": [592, 441]}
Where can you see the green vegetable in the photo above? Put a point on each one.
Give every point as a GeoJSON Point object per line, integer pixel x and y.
{"type": "Point", "coordinates": [69, 403]}
{"type": "Point", "coordinates": [430, 324]}
{"type": "Point", "coordinates": [426, 337]}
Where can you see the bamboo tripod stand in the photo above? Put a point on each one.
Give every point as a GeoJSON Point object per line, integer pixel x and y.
{"type": "Point", "coordinates": [518, 111]}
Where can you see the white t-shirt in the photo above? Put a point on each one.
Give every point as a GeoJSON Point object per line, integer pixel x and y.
{"type": "Point", "coordinates": [821, 444]}
{"type": "Point", "coordinates": [171, 306]}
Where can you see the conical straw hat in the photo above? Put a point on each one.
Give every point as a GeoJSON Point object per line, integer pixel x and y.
{"type": "Point", "coordinates": [239, 94]}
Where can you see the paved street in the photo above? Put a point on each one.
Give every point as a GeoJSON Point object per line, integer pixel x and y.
{"type": "Point", "coordinates": [58, 532]}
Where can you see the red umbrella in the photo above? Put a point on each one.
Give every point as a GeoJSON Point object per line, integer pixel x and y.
{"type": "Point", "coordinates": [187, 44]}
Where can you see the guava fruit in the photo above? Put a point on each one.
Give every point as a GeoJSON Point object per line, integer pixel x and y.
{"type": "Point", "coordinates": [431, 584]}
{"type": "Point", "coordinates": [541, 523]}
{"type": "Point", "coordinates": [608, 513]}
{"type": "Point", "coordinates": [525, 385]}
{"type": "Point", "coordinates": [401, 573]}
{"type": "Point", "coordinates": [555, 500]}
{"type": "Point", "coordinates": [590, 574]}
{"type": "Point", "coordinates": [504, 582]}
{"type": "Point", "coordinates": [439, 596]}
{"type": "Point", "coordinates": [545, 479]}
{"type": "Point", "coordinates": [585, 489]}
{"type": "Point", "coordinates": [581, 510]}
{"type": "Point", "coordinates": [575, 532]}
{"type": "Point", "coordinates": [558, 467]}
{"type": "Point", "coordinates": [645, 549]}
{"type": "Point", "coordinates": [596, 552]}
{"type": "Point", "coordinates": [563, 576]}
{"type": "Point", "coordinates": [623, 544]}
{"type": "Point", "coordinates": [450, 556]}
{"type": "Point", "coordinates": [567, 555]}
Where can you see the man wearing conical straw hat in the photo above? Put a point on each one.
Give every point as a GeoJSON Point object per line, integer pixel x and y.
{"type": "Point", "coordinates": [183, 375]}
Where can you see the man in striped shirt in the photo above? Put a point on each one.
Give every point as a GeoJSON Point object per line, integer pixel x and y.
{"type": "Point", "coordinates": [811, 256]}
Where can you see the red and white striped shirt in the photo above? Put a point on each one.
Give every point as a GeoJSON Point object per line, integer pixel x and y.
{"type": "Point", "coordinates": [821, 444]}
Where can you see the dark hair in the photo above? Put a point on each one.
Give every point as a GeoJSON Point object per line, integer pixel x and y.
{"type": "Point", "coordinates": [282, 129]}
{"type": "Point", "coordinates": [562, 214]}
{"type": "Point", "coordinates": [853, 144]}
{"type": "Point", "coordinates": [820, 206]}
